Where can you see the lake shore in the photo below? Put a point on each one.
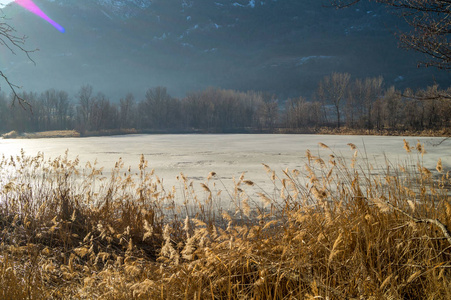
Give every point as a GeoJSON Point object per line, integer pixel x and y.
{"type": "Point", "coordinates": [65, 134]}
{"type": "Point", "coordinates": [44, 134]}
{"type": "Point", "coordinates": [445, 132]}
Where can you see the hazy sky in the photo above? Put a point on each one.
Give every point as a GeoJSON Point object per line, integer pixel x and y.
{"type": "Point", "coordinates": [4, 2]}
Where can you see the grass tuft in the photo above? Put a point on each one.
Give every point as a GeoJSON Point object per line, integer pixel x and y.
{"type": "Point", "coordinates": [338, 230]}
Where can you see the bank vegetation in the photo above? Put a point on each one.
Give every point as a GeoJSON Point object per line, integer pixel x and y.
{"type": "Point", "coordinates": [339, 228]}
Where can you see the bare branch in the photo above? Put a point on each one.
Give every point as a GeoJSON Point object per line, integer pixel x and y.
{"type": "Point", "coordinates": [439, 143]}
{"type": "Point", "coordinates": [435, 222]}
{"type": "Point", "coordinates": [430, 22]}
{"type": "Point", "coordinates": [10, 40]}
{"type": "Point", "coordinates": [24, 103]}
{"type": "Point", "coordinates": [13, 42]}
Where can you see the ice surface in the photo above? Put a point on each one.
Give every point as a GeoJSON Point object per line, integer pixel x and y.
{"type": "Point", "coordinates": [228, 155]}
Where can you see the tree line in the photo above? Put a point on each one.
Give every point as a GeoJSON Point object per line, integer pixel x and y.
{"type": "Point", "coordinates": [340, 101]}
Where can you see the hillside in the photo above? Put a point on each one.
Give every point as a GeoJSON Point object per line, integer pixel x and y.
{"type": "Point", "coordinates": [284, 47]}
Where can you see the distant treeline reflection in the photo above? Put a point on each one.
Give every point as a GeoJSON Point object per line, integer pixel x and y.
{"type": "Point", "coordinates": [339, 102]}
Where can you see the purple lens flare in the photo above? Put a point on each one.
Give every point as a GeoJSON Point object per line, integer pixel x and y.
{"type": "Point", "coordinates": [29, 5]}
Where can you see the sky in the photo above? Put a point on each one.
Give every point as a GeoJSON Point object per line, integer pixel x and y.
{"type": "Point", "coordinates": [29, 5]}
{"type": "Point", "coordinates": [4, 2]}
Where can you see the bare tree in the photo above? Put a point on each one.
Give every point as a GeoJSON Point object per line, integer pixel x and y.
{"type": "Point", "coordinates": [430, 25]}
{"type": "Point", "coordinates": [301, 114]}
{"type": "Point", "coordinates": [393, 108]}
{"type": "Point", "coordinates": [333, 89]}
{"type": "Point", "coordinates": [159, 109]}
{"type": "Point", "coordinates": [127, 107]}
{"type": "Point", "coordinates": [63, 109]}
{"type": "Point", "coordinates": [268, 112]}
{"type": "Point", "coordinates": [13, 42]}
{"type": "Point", "coordinates": [372, 92]}
{"type": "Point", "coordinates": [85, 101]}
{"type": "Point", "coordinates": [104, 115]}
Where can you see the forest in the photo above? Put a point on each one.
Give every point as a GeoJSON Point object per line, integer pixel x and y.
{"type": "Point", "coordinates": [339, 102]}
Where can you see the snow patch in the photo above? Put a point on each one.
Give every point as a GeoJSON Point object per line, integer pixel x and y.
{"type": "Point", "coordinates": [251, 4]}
{"type": "Point", "coordinates": [306, 59]}
{"type": "Point", "coordinates": [399, 78]}
{"type": "Point", "coordinates": [163, 37]}
{"type": "Point", "coordinates": [186, 4]}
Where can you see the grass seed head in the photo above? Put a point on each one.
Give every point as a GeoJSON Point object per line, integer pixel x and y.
{"type": "Point", "coordinates": [322, 145]}
{"type": "Point", "coordinates": [352, 146]}
{"type": "Point", "coordinates": [439, 166]}
{"type": "Point", "coordinates": [407, 146]}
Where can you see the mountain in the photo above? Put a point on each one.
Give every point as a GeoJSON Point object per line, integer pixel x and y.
{"type": "Point", "coordinates": [280, 46]}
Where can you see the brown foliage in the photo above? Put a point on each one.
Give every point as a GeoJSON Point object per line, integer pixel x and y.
{"type": "Point", "coordinates": [335, 230]}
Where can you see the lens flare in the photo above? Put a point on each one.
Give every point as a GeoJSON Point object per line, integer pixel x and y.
{"type": "Point", "coordinates": [29, 5]}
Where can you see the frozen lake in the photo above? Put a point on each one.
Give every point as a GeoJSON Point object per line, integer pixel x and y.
{"type": "Point", "coordinates": [229, 155]}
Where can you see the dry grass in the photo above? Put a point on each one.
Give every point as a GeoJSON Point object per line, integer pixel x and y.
{"type": "Point", "coordinates": [445, 132]}
{"type": "Point", "coordinates": [331, 231]}
{"type": "Point", "coordinates": [11, 135]}
{"type": "Point", "coordinates": [66, 133]}
{"type": "Point", "coordinates": [41, 135]}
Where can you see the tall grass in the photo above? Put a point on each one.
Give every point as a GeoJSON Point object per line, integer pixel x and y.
{"type": "Point", "coordinates": [338, 229]}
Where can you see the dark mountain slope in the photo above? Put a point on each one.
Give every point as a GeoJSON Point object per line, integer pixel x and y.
{"type": "Point", "coordinates": [284, 47]}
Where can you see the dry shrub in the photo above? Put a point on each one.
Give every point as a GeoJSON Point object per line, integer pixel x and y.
{"type": "Point", "coordinates": [11, 135]}
{"type": "Point", "coordinates": [332, 231]}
